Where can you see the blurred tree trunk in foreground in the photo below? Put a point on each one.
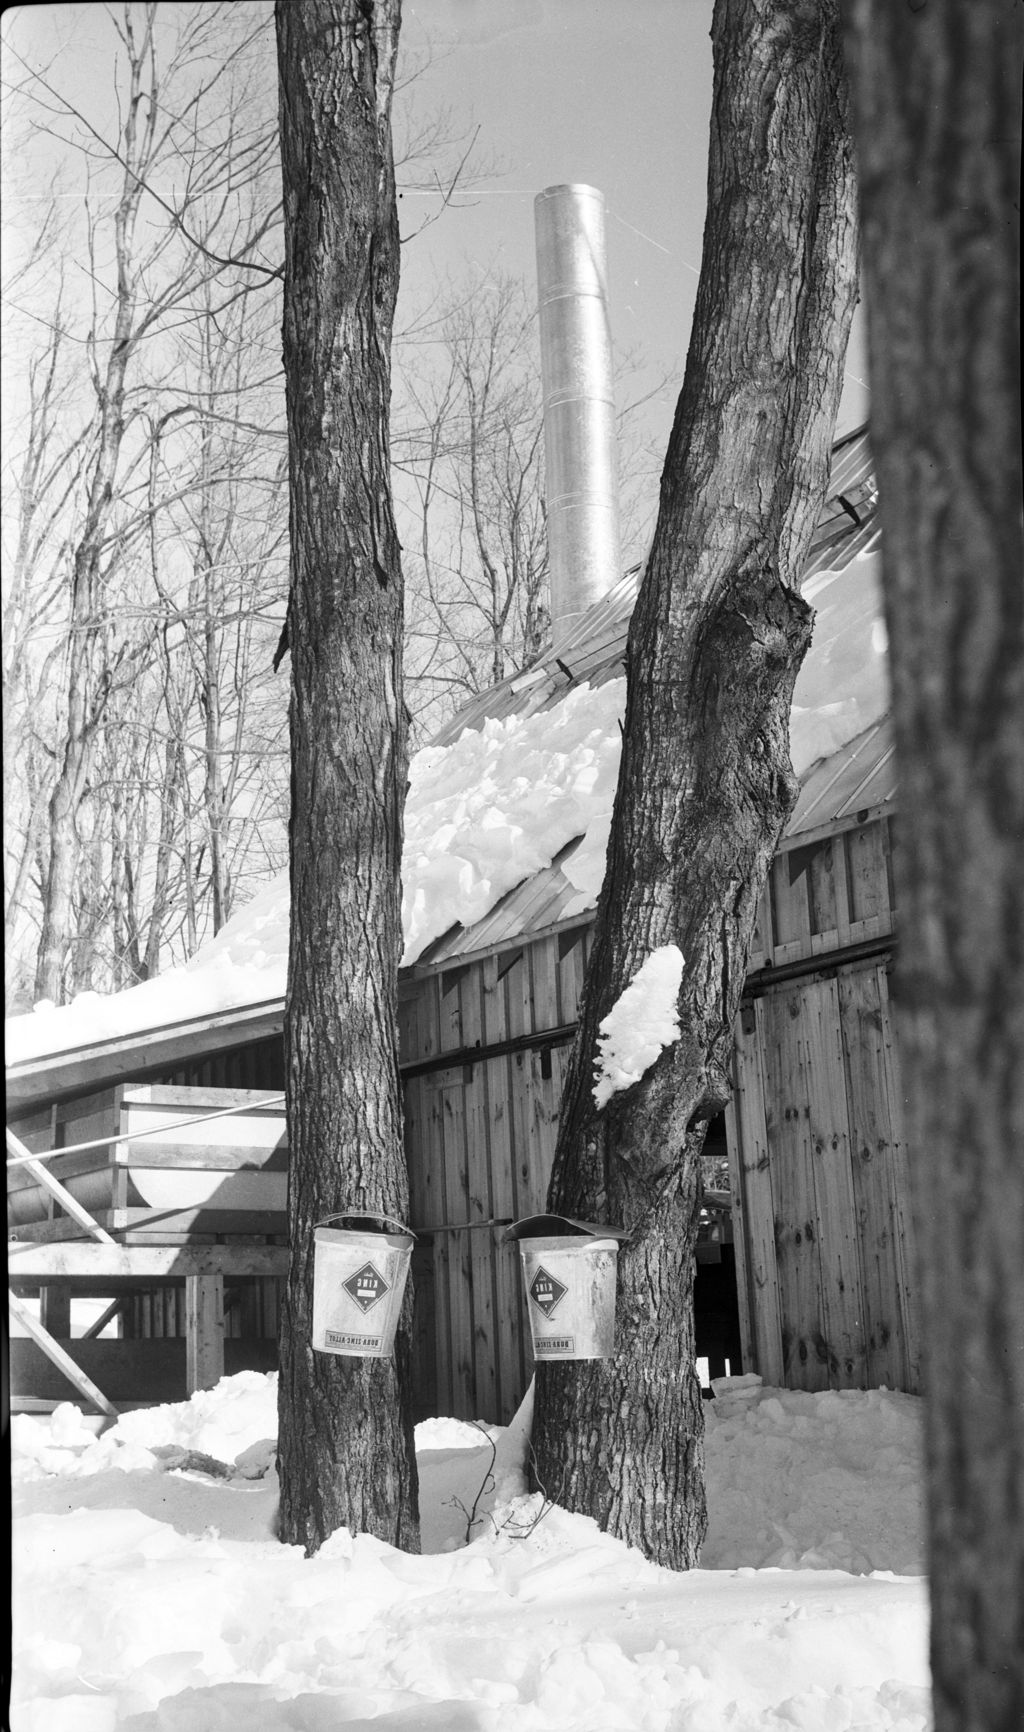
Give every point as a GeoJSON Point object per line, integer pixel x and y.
{"type": "Point", "coordinates": [346, 1449]}
{"type": "Point", "coordinates": [705, 785]}
{"type": "Point", "coordinates": [937, 93]}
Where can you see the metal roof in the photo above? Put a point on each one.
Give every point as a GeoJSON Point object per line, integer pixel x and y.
{"type": "Point", "coordinates": [594, 647]}
{"type": "Point", "coordinates": [860, 776]}
{"type": "Point", "coordinates": [837, 792]}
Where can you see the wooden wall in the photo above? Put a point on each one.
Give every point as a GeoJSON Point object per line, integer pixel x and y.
{"type": "Point", "coordinates": [825, 894]}
{"type": "Point", "coordinates": [824, 1252]}
{"type": "Point", "coordinates": [480, 1132]}
{"type": "Point", "coordinates": [825, 1256]}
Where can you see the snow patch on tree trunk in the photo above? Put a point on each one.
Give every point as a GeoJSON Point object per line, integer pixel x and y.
{"type": "Point", "coordinates": [641, 1023]}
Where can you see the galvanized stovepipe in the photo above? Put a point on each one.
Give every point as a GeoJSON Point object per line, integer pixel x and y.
{"type": "Point", "coordinates": [581, 467]}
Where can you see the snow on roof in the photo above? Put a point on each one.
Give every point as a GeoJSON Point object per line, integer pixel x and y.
{"type": "Point", "coordinates": [484, 812]}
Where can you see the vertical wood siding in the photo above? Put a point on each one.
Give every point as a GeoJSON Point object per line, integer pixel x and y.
{"type": "Point", "coordinates": [828, 1293]}
{"type": "Point", "coordinates": [480, 1135]}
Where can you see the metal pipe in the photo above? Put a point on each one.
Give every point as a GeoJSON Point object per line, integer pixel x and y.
{"type": "Point", "coordinates": [580, 462]}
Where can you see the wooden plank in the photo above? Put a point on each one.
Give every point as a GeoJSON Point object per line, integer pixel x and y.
{"type": "Point", "coordinates": [63, 1167]}
{"type": "Point", "coordinates": [57, 1191]}
{"type": "Point", "coordinates": [88, 1116]}
{"type": "Point", "coordinates": [197, 1157]}
{"type": "Point", "coordinates": [164, 1048]}
{"type": "Point", "coordinates": [871, 1141]}
{"type": "Point", "coordinates": [451, 1109]}
{"type": "Point", "coordinates": [542, 1127]}
{"type": "Point", "coordinates": [36, 1130]}
{"type": "Point", "coordinates": [204, 1327]}
{"type": "Point", "coordinates": [486, 1399]}
{"type": "Point", "coordinates": [762, 942]}
{"type": "Point", "coordinates": [99, 1323]}
{"type": "Point", "coordinates": [571, 966]}
{"type": "Point", "coordinates": [805, 1351]}
{"type": "Point", "coordinates": [55, 1309]}
{"type": "Point", "coordinates": [507, 1313]}
{"type": "Point", "coordinates": [843, 1306]}
{"type": "Point", "coordinates": [131, 1372]}
{"type": "Point", "coordinates": [870, 909]}
{"type": "Point", "coordinates": [87, 1260]}
{"type": "Point", "coordinates": [450, 1008]}
{"type": "Point", "coordinates": [791, 914]}
{"type": "Point", "coordinates": [57, 1356]}
{"type": "Point", "coordinates": [519, 993]}
{"type": "Point", "coordinates": [495, 1013]}
{"type": "Point", "coordinates": [902, 1212]}
{"type": "Point", "coordinates": [176, 1099]}
{"type": "Point", "coordinates": [442, 1323]}
{"type": "Point", "coordinates": [423, 1344]}
{"type": "Point", "coordinates": [757, 1275]}
{"type": "Point", "coordinates": [545, 982]}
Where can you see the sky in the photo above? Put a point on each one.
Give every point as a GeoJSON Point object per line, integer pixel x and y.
{"type": "Point", "coordinates": [550, 91]}
{"type": "Point", "coordinates": [618, 96]}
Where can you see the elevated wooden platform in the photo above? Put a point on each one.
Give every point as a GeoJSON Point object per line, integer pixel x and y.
{"type": "Point", "coordinates": [185, 1190]}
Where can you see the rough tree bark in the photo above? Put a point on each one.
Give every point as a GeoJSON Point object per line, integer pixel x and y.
{"type": "Point", "coordinates": [705, 784]}
{"type": "Point", "coordinates": [937, 94]}
{"type": "Point", "coordinates": [345, 1452]}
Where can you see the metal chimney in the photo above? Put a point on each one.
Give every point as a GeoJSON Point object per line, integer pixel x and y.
{"type": "Point", "coordinates": [581, 469]}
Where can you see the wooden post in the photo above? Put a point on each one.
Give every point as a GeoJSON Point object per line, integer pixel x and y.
{"type": "Point", "coordinates": [204, 1330]}
{"type": "Point", "coordinates": [64, 1362]}
{"type": "Point", "coordinates": [55, 1309]}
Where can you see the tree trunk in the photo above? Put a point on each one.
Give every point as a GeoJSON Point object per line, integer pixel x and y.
{"type": "Point", "coordinates": [938, 124]}
{"type": "Point", "coordinates": [705, 784]}
{"type": "Point", "coordinates": [345, 1452]}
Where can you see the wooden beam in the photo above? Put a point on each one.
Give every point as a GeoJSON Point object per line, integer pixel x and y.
{"type": "Point", "coordinates": [55, 1309]}
{"type": "Point", "coordinates": [204, 1157]}
{"type": "Point", "coordinates": [55, 1075]}
{"type": "Point", "coordinates": [63, 1361]}
{"type": "Point", "coordinates": [56, 1190]}
{"type": "Point", "coordinates": [97, 1327]}
{"type": "Point", "coordinates": [204, 1331]}
{"type": "Point", "coordinates": [42, 1262]}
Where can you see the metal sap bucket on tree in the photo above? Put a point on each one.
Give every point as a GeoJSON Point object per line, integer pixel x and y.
{"type": "Point", "coordinates": [359, 1276]}
{"type": "Point", "coordinates": [570, 1272]}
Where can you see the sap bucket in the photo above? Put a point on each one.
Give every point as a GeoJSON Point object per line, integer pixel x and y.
{"type": "Point", "coordinates": [569, 1268]}
{"type": "Point", "coordinates": [359, 1275]}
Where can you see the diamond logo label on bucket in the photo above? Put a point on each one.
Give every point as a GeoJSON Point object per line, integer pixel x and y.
{"type": "Point", "coordinates": [367, 1286]}
{"type": "Point", "coordinates": [546, 1292]}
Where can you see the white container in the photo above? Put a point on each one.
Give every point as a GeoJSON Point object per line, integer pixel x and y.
{"type": "Point", "coordinates": [570, 1295]}
{"type": "Point", "coordinates": [359, 1276]}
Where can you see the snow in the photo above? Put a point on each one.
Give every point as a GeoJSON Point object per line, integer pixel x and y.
{"type": "Point", "coordinates": [643, 1021]}
{"type": "Point", "coordinates": [153, 1597]}
{"type": "Point", "coordinates": [484, 813]}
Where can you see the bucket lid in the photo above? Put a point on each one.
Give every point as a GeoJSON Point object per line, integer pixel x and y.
{"type": "Point", "coordinates": [366, 1222]}
{"type": "Point", "coordinates": [560, 1226]}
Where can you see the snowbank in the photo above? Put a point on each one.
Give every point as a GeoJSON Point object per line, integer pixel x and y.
{"type": "Point", "coordinates": [484, 813]}
{"type": "Point", "coordinates": [641, 1023]}
{"type": "Point", "coordinates": [151, 1599]}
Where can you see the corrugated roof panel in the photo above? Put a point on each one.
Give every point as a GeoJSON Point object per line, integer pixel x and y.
{"type": "Point", "coordinates": [861, 775]}
{"type": "Point", "coordinates": [594, 646]}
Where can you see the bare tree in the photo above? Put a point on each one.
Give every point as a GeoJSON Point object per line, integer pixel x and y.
{"type": "Point", "coordinates": [179, 247]}
{"type": "Point", "coordinates": [938, 107]}
{"type": "Point", "coordinates": [345, 1433]}
{"type": "Point", "coordinates": [705, 783]}
{"type": "Point", "coordinates": [469, 456]}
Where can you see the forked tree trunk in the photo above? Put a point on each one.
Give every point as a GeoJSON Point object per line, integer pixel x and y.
{"type": "Point", "coordinates": [345, 1451]}
{"type": "Point", "coordinates": [705, 785]}
{"type": "Point", "coordinates": [938, 123]}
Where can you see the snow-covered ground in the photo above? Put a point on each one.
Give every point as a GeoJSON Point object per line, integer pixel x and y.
{"type": "Point", "coordinates": [151, 1598]}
